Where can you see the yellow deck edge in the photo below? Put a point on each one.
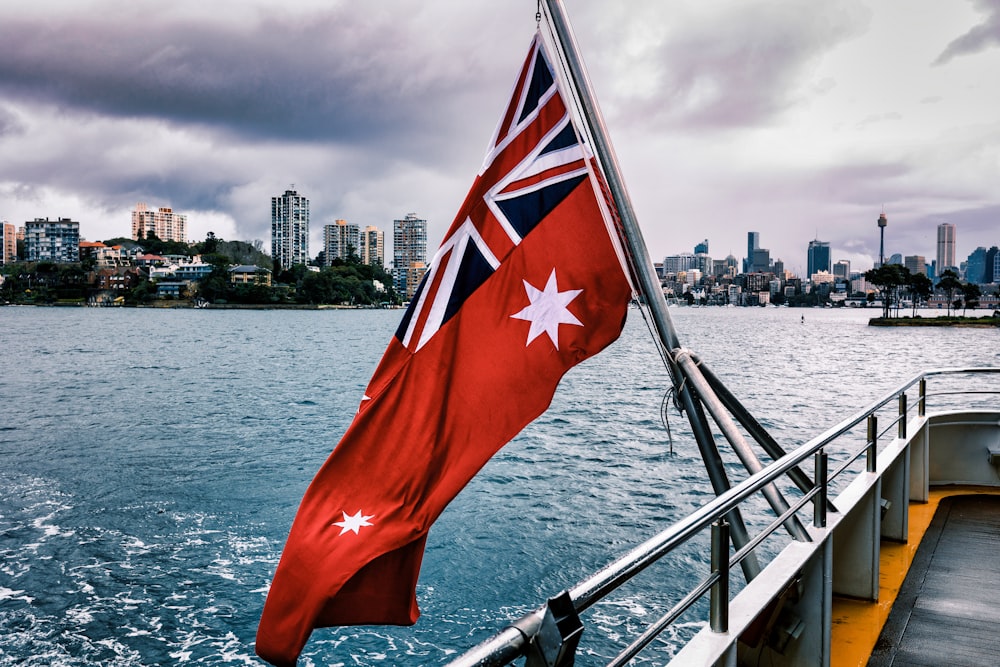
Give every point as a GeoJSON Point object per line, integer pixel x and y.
{"type": "Point", "coordinates": [857, 624]}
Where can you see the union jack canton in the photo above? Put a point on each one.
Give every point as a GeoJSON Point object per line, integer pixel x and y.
{"type": "Point", "coordinates": [535, 159]}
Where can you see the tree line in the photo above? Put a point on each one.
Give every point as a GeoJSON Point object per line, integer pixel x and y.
{"type": "Point", "coordinates": [346, 281]}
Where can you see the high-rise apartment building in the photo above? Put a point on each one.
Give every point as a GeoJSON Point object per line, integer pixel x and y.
{"type": "Point", "coordinates": [409, 254]}
{"type": "Point", "coordinates": [163, 223]}
{"type": "Point", "coordinates": [674, 264]}
{"type": "Point", "coordinates": [8, 243]}
{"type": "Point", "coordinates": [340, 240]}
{"type": "Point", "coordinates": [818, 258]}
{"type": "Point", "coordinates": [52, 241]}
{"type": "Point", "coordinates": [289, 229]}
{"type": "Point", "coordinates": [946, 248]}
{"type": "Point", "coordinates": [371, 246]}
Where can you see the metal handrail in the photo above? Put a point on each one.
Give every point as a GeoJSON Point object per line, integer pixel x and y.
{"type": "Point", "coordinates": [512, 642]}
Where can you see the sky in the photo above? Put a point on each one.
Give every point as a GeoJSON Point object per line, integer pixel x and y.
{"type": "Point", "coordinates": [797, 120]}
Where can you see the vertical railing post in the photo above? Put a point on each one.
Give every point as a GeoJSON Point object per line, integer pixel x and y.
{"type": "Point", "coordinates": [720, 565]}
{"type": "Point", "coordinates": [819, 503]}
{"type": "Point", "coordinates": [922, 402]}
{"type": "Point", "coordinates": [872, 442]}
{"type": "Point", "coordinates": [902, 416]}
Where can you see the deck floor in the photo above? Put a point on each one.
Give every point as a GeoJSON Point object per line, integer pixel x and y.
{"type": "Point", "coordinates": [948, 609]}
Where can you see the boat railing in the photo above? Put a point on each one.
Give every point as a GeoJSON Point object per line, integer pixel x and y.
{"type": "Point", "coordinates": [548, 635]}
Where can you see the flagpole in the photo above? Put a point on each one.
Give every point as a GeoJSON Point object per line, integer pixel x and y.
{"type": "Point", "coordinates": [642, 266]}
{"type": "Point", "coordinates": [643, 271]}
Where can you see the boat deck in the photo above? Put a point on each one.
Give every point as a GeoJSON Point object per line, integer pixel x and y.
{"type": "Point", "coordinates": [863, 633]}
{"type": "Point", "coordinates": [947, 611]}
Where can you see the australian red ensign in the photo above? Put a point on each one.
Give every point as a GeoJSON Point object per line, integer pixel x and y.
{"type": "Point", "coordinates": [528, 282]}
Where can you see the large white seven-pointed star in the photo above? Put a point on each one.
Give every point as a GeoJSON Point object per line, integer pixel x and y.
{"type": "Point", "coordinates": [548, 310]}
{"type": "Point", "coordinates": [353, 523]}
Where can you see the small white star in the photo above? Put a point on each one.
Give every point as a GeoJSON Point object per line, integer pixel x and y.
{"type": "Point", "coordinates": [548, 310]}
{"type": "Point", "coordinates": [353, 523]}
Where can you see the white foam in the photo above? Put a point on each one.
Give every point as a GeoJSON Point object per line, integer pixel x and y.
{"type": "Point", "coordinates": [10, 594]}
{"type": "Point", "coordinates": [77, 616]}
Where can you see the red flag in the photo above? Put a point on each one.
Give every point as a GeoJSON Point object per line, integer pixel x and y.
{"type": "Point", "coordinates": [528, 282]}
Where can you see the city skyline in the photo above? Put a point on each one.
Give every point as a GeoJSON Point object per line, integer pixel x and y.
{"type": "Point", "coordinates": [796, 121]}
{"type": "Point", "coordinates": [758, 259]}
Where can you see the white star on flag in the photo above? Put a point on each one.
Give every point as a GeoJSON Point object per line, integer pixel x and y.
{"type": "Point", "coordinates": [548, 310]}
{"type": "Point", "coordinates": [353, 523]}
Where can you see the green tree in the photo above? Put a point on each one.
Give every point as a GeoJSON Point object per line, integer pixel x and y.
{"type": "Point", "coordinates": [921, 288]}
{"type": "Point", "coordinates": [949, 284]}
{"type": "Point", "coordinates": [215, 286]}
{"type": "Point", "coordinates": [142, 293]}
{"type": "Point", "coordinates": [209, 245]}
{"type": "Point", "coordinates": [889, 278]}
{"type": "Point", "coordinates": [971, 294]}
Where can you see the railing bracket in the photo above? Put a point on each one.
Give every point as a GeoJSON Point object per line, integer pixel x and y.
{"type": "Point", "coordinates": [554, 645]}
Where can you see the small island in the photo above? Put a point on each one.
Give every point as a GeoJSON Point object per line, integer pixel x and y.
{"type": "Point", "coordinates": [944, 321]}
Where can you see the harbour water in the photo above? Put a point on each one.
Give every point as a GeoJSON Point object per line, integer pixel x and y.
{"type": "Point", "coordinates": [153, 460]}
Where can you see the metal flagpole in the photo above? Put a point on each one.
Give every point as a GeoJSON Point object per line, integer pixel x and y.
{"type": "Point", "coordinates": [642, 266]}
{"type": "Point", "coordinates": [645, 274]}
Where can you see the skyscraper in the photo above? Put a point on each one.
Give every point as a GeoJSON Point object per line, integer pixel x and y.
{"type": "Point", "coordinates": [818, 258]}
{"type": "Point", "coordinates": [842, 270]}
{"type": "Point", "coordinates": [915, 264]}
{"type": "Point", "coordinates": [340, 240]}
{"type": "Point", "coordinates": [991, 274]}
{"type": "Point", "coordinates": [753, 243]}
{"type": "Point", "coordinates": [163, 223]}
{"type": "Point", "coordinates": [946, 248]}
{"type": "Point", "coordinates": [289, 229]}
{"type": "Point", "coordinates": [761, 261]}
{"type": "Point", "coordinates": [371, 246]}
{"type": "Point", "coordinates": [701, 248]}
{"type": "Point", "coordinates": [975, 265]}
{"type": "Point", "coordinates": [409, 254]}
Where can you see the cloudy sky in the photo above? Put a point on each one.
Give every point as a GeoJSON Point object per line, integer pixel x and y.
{"type": "Point", "coordinates": [797, 120]}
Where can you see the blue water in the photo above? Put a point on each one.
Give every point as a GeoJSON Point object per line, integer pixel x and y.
{"type": "Point", "coordinates": [151, 462]}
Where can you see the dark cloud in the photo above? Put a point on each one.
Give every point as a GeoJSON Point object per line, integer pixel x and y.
{"type": "Point", "coordinates": [338, 76]}
{"type": "Point", "coordinates": [187, 110]}
{"type": "Point", "coordinates": [980, 37]}
{"type": "Point", "coordinates": [377, 109]}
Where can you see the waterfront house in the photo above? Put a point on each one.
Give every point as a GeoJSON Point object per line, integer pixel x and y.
{"type": "Point", "coordinates": [246, 274]}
